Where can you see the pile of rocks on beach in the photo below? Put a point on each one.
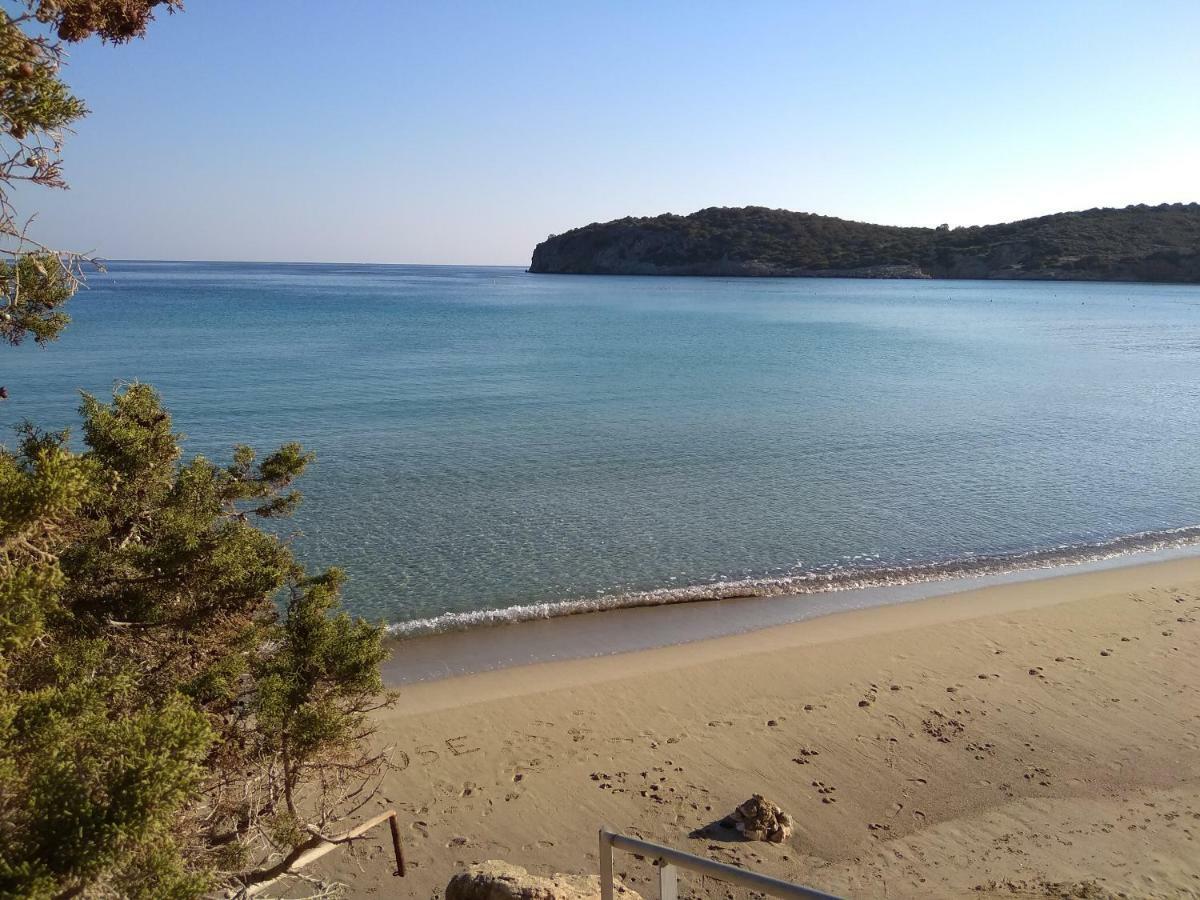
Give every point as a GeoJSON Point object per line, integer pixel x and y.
{"type": "Point", "coordinates": [758, 819]}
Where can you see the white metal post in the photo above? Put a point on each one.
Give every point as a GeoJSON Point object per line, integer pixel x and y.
{"type": "Point", "coordinates": [668, 881]}
{"type": "Point", "coordinates": [606, 865]}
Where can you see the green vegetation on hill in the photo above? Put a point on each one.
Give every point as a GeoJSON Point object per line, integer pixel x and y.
{"type": "Point", "coordinates": [1137, 243]}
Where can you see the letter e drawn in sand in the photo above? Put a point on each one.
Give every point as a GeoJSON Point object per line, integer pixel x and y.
{"type": "Point", "coordinates": [452, 746]}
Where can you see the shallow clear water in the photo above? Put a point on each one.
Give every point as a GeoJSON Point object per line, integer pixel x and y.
{"type": "Point", "coordinates": [486, 437]}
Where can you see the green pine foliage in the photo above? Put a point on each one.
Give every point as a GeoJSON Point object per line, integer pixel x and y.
{"type": "Point", "coordinates": [37, 109]}
{"type": "Point", "coordinates": [178, 699]}
{"type": "Point", "coordinates": [34, 287]}
{"type": "Point", "coordinates": [183, 709]}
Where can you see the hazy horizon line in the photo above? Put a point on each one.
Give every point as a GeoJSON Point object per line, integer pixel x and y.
{"type": "Point", "coordinates": [310, 262]}
{"type": "Point", "coordinates": [314, 262]}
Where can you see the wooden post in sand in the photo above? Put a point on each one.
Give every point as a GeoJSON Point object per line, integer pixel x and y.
{"type": "Point", "coordinates": [396, 845]}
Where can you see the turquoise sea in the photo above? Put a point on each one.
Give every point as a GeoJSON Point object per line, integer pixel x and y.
{"type": "Point", "coordinates": [489, 439]}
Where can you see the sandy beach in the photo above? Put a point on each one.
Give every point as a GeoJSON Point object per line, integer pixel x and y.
{"type": "Point", "coordinates": [1036, 739]}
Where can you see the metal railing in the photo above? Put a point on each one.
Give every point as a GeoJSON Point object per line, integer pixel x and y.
{"type": "Point", "coordinates": [669, 861]}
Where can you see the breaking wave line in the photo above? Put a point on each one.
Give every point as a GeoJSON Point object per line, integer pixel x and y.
{"type": "Point", "coordinates": [811, 582]}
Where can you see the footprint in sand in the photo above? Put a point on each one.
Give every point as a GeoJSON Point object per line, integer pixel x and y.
{"type": "Point", "coordinates": [942, 727]}
{"type": "Point", "coordinates": [805, 756]}
{"type": "Point", "coordinates": [826, 791]}
{"type": "Point", "coordinates": [1039, 774]}
{"type": "Point", "coordinates": [614, 783]}
{"type": "Point", "coordinates": [982, 750]}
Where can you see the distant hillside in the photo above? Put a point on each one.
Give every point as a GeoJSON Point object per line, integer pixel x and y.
{"type": "Point", "coordinates": [1137, 243]}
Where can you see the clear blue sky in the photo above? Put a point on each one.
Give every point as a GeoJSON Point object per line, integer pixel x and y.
{"type": "Point", "coordinates": [389, 131]}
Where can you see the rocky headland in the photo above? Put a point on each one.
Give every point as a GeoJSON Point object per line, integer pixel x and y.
{"type": "Point", "coordinates": [1137, 243]}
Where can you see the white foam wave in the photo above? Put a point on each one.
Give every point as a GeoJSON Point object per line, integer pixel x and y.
{"type": "Point", "coordinates": [810, 582]}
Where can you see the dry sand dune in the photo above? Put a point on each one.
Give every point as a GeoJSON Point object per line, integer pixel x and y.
{"type": "Point", "coordinates": [1025, 740]}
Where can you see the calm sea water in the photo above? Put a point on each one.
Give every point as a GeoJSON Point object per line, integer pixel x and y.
{"type": "Point", "coordinates": [489, 438]}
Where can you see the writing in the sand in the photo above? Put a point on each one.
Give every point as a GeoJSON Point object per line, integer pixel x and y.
{"type": "Point", "coordinates": [454, 746]}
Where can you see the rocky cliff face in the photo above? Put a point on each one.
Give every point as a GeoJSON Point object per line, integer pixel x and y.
{"type": "Point", "coordinates": [1141, 243]}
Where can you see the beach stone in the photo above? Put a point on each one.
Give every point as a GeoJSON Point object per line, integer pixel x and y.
{"type": "Point", "coordinates": [758, 819]}
{"type": "Point", "coordinates": [499, 880]}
